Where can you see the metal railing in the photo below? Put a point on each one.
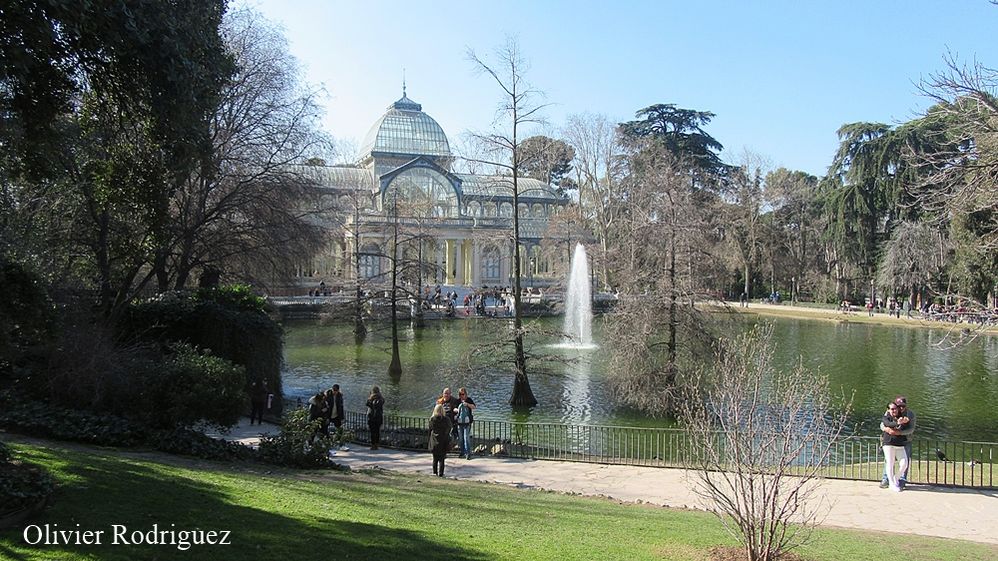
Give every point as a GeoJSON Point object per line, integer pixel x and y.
{"type": "Point", "coordinates": [957, 464]}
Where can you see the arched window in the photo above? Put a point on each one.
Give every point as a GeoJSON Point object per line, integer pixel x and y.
{"type": "Point", "coordinates": [506, 209]}
{"type": "Point", "coordinates": [370, 261]}
{"type": "Point", "coordinates": [474, 208]}
{"type": "Point", "coordinates": [422, 192]}
{"type": "Point", "coordinates": [491, 209]}
{"type": "Point", "coordinates": [537, 210]}
{"type": "Point", "coordinates": [491, 264]}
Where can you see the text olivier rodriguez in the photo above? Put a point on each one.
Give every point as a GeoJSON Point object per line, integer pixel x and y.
{"type": "Point", "coordinates": [120, 534]}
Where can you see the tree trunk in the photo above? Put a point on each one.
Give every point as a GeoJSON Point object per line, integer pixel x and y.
{"type": "Point", "coordinates": [104, 263]}
{"type": "Point", "coordinates": [395, 368]}
{"type": "Point", "coordinates": [522, 396]}
{"type": "Point", "coordinates": [359, 329]}
{"type": "Point", "coordinates": [673, 312]}
{"type": "Point", "coordinates": [417, 316]}
{"type": "Point", "coordinates": [162, 277]}
{"type": "Point", "coordinates": [745, 288]}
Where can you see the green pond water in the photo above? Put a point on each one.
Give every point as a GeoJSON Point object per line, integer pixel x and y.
{"type": "Point", "coordinates": [953, 390]}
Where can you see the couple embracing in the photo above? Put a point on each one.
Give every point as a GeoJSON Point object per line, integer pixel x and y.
{"type": "Point", "coordinates": [897, 426]}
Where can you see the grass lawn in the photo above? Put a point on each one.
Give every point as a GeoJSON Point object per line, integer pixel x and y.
{"type": "Point", "coordinates": [286, 515]}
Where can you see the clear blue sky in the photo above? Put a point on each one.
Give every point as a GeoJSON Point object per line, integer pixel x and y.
{"type": "Point", "coordinates": [781, 77]}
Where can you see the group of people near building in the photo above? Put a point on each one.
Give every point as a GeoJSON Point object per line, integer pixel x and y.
{"type": "Point", "coordinates": [450, 423]}
{"type": "Point", "coordinates": [897, 427]}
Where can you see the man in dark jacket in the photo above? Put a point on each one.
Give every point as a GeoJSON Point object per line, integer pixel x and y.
{"type": "Point", "coordinates": [258, 400]}
{"type": "Point", "coordinates": [336, 413]}
{"type": "Point", "coordinates": [450, 404]}
{"type": "Point", "coordinates": [317, 410]}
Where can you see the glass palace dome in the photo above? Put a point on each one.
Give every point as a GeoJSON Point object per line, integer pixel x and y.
{"type": "Point", "coordinates": [405, 129]}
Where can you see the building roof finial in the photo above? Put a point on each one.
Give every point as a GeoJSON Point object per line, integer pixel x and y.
{"type": "Point", "coordinates": [403, 81]}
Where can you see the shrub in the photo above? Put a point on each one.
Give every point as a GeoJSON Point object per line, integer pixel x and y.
{"type": "Point", "coordinates": [196, 386]}
{"type": "Point", "coordinates": [230, 321]}
{"type": "Point", "coordinates": [22, 485]}
{"type": "Point", "coordinates": [26, 317]}
{"type": "Point", "coordinates": [178, 385]}
{"type": "Point", "coordinates": [234, 296]}
{"type": "Point", "coordinates": [48, 420]}
{"type": "Point", "coordinates": [291, 446]}
{"type": "Point", "coordinates": [190, 442]}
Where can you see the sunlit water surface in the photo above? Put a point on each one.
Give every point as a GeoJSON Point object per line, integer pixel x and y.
{"type": "Point", "coordinates": [954, 391]}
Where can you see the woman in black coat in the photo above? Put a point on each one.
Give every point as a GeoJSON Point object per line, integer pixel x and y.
{"type": "Point", "coordinates": [440, 427]}
{"type": "Point", "coordinates": [375, 415]}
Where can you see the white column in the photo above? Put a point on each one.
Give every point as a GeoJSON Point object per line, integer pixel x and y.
{"type": "Point", "coordinates": [438, 255]}
{"type": "Point", "coordinates": [476, 265]}
{"type": "Point", "coordinates": [449, 263]}
{"type": "Point", "coordinates": [458, 262]}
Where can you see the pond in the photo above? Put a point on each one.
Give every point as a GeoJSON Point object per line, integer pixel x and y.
{"type": "Point", "coordinates": [953, 390]}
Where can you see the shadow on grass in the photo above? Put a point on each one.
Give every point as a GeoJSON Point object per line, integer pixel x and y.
{"type": "Point", "coordinates": [97, 492]}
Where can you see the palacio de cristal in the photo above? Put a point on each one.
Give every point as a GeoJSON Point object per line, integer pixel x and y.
{"type": "Point", "coordinates": [462, 222]}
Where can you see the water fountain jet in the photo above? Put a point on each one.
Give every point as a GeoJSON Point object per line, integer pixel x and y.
{"type": "Point", "coordinates": [578, 327]}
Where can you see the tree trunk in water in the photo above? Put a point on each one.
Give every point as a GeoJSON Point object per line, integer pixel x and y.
{"type": "Point", "coordinates": [395, 368]}
{"type": "Point", "coordinates": [522, 396]}
{"type": "Point", "coordinates": [359, 329]}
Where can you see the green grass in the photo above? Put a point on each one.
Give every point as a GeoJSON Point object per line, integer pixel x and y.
{"type": "Point", "coordinates": [286, 515]}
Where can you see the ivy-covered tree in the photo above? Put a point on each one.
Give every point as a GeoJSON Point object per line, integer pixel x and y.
{"type": "Point", "coordinates": [105, 111]}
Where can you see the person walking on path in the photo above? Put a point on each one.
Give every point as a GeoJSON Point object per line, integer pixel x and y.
{"type": "Point", "coordinates": [465, 417]}
{"type": "Point", "coordinates": [258, 400]}
{"type": "Point", "coordinates": [907, 431]}
{"type": "Point", "coordinates": [375, 415]}
{"type": "Point", "coordinates": [893, 445]}
{"type": "Point", "coordinates": [440, 427]}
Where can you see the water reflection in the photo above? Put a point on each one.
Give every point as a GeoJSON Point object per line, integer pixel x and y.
{"type": "Point", "coordinates": [953, 391]}
{"type": "Point", "coordinates": [576, 394]}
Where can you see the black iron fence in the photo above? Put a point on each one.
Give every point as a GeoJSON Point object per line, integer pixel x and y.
{"type": "Point", "coordinates": [933, 462]}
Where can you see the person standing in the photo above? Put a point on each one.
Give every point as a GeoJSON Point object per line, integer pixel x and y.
{"type": "Point", "coordinates": [906, 431]}
{"type": "Point", "coordinates": [450, 404]}
{"type": "Point", "coordinates": [465, 416]}
{"type": "Point", "coordinates": [375, 415]}
{"type": "Point", "coordinates": [258, 400]}
{"type": "Point", "coordinates": [317, 411]}
{"type": "Point", "coordinates": [893, 445]}
{"type": "Point", "coordinates": [440, 427]}
{"type": "Point", "coordinates": [337, 414]}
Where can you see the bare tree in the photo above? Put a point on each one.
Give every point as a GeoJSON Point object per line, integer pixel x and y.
{"type": "Point", "coordinates": [652, 335]}
{"type": "Point", "coordinates": [744, 212]}
{"type": "Point", "coordinates": [796, 221]}
{"type": "Point", "coordinates": [409, 209]}
{"type": "Point", "coordinates": [961, 174]}
{"type": "Point", "coordinates": [599, 165]}
{"type": "Point", "coordinates": [516, 111]}
{"type": "Point", "coordinates": [759, 440]}
{"type": "Point", "coordinates": [250, 211]}
{"type": "Point", "coordinates": [915, 253]}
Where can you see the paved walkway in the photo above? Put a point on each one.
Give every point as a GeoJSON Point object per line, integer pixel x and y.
{"type": "Point", "coordinates": [929, 511]}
